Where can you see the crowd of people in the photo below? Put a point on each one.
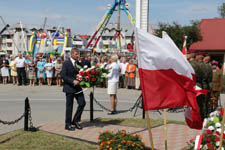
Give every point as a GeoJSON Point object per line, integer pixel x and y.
{"type": "Point", "coordinates": [45, 69]}
{"type": "Point", "coordinates": [208, 76]}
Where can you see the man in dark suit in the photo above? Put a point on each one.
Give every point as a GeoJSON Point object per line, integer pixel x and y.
{"type": "Point", "coordinates": [72, 90]}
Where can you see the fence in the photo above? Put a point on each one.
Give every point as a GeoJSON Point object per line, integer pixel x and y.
{"type": "Point", "coordinates": [28, 125]}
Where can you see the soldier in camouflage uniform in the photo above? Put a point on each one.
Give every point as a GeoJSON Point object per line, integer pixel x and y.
{"type": "Point", "coordinates": [199, 72]}
{"type": "Point", "coordinates": [216, 85]}
{"type": "Point", "coordinates": [206, 80]}
{"type": "Point", "coordinates": [195, 61]}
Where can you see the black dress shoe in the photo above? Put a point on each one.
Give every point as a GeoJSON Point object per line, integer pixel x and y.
{"type": "Point", "coordinates": [77, 125]}
{"type": "Point", "coordinates": [112, 112]}
{"type": "Point", "coordinates": [70, 128]}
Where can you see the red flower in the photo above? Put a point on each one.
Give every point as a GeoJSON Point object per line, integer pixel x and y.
{"type": "Point", "coordinates": [88, 74]}
{"type": "Point", "coordinates": [223, 136]}
{"type": "Point", "coordinates": [217, 132]}
{"type": "Point", "coordinates": [208, 131]}
{"type": "Point", "coordinates": [221, 113]}
{"type": "Point", "coordinates": [93, 79]}
{"type": "Point", "coordinates": [217, 139]}
{"type": "Point", "coordinates": [209, 139]}
{"type": "Point", "coordinates": [220, 109]}
{"type": "Point", "coordinates": [92, 72]}
{"type": "Point", "coordinates": [209, 145]}
{"type": "Point", "coordinates": [191, 140]}
{"type": "Point", "coordinates": [81, 73]}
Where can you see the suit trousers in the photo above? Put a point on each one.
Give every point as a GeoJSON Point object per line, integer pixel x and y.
{"type": "Point", "coordinates": [21, 73]}
{"type": "Point", "coordinates": [69, 107]}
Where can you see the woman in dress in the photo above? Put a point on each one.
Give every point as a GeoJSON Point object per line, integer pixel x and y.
{"type": "Point", "coordinates": [41, 71]}
{"type": "Point", "coordinates": [49, 71]}
{"type": "Point", "coordinates": [31, 71]}
{"type": "Point", "coordinates": [113, 79]}
{"type": "Point", "coordinates": [130, 75]}
{"type": "Point", "coordinates": [5, 70]}
{"type": "Point", "coordinates": [58, 69]}
{"type": "Point", "coordinates": [13, 72]}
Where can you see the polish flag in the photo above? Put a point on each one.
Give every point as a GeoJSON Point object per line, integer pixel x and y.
{"type": "Point", "coordinates": [198, 142]}
{"type": "Point", "coordinates": [184, 49]}
{"type": "Point", "coordinates": [167, 78]}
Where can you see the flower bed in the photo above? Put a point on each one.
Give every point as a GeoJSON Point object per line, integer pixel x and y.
{"type": "Point", "coordinates": [120, 141]}
{"type": "Point", "coordinates": [211, 132]}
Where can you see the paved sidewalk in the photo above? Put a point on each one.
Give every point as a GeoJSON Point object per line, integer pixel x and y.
{"type": "Point", "coordinates": [178, 135]}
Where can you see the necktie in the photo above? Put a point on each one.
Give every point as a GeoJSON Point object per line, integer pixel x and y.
{"type": "Point", "coordinates": [75, 64]}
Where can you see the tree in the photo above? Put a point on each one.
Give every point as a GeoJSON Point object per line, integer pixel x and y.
{"type": "Point", "coordinates": [221, 10]}
{"type": "Point", "coordinates": [177, 32]}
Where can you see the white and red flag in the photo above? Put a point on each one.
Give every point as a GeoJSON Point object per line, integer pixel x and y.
{"type": "Point", "coordinates": [184, 49]}
{"type": "Point", "coordinates": [167, 78]}
{"type": "Point", "coordinates": [198, 142]}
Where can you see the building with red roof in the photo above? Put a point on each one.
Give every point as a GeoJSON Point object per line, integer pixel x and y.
{"type": "Point", "coordinates": [213, 39]}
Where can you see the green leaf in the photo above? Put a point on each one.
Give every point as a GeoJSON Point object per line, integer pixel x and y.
{"type": "Point", "coordinates": [216, 119]}
{"type": "Point", "coordinates": [79, 67]}
{"type": "Point", "coordinates": [87, 84]}
{"type": "Point", "coordinates": [82, 83]}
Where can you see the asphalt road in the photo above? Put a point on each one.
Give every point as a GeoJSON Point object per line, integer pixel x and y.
{"type": "Point", "coordinates": [48, 105]}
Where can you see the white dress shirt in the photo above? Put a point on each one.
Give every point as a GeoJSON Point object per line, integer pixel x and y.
{"type": "Point", "coordinates": [123, 67]}
{"type": "Point", "coordinates": [20, 62]}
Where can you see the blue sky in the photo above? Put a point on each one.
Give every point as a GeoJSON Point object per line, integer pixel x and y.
{"type": "Point", "coordinates": [82, 16]}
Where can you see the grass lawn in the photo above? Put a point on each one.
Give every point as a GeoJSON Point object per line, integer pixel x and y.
{"type": "Point", "coordinates": [136, 122]}
{"type": "Point", "coordinates": [21, 140]}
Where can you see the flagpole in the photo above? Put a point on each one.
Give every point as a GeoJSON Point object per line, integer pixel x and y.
{"type": "Point", "coordinates": [222, 130]}
{"type": "Point", "coordinates": [165, 127]}
{"type": "Point", "coordinates": [149, 130]}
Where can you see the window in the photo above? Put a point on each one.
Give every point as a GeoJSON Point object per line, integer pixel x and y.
{"type": "Point", "coordinates": [9, 44]}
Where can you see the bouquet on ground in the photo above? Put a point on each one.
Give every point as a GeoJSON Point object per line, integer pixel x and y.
{"type": "Point", "coordinates": [93, 76]}
{"type": "Point", "coordinates": [210, 138]}
{"type": "Point", "coordinates": [120, 141]}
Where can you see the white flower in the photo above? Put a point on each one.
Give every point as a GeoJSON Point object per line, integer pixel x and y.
{"type": "Point", "coordinates": [211, 128]}
{"type": "Point", "coordinates": [205, 122]}
{"type": "Point", "coordinates": [205, 147]}
{"type": "Point", "coordinates": [218, 143]}
{"type": "Point", "coordinates": [92, 67]}
{"type": "Point", "coordinates": [215, 113]}
{"type": "Point", "coordinates": [218, 125]}
{"type": "Point", "coordinates": [211, 114]}
{"type": "Point", "coordinates": [85, 66]}
{"type": "Point", "coordinates": [211, 118]}
{"type": "Point", "coordinates": [81, 70]}
{"type": "Point", "coordinates": [219, 130]}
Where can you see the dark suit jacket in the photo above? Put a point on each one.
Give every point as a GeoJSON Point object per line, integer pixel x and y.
{"type": "Point", "coordinates": [69, 73]}
{"type": "Point", "coordinates": [86, 62]}
{"type": "Point", "coordinates": [6, 62]}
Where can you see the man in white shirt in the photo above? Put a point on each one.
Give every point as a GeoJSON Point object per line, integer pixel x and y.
{"type": "Point", "coordinates": [20, 65]}
{"type": "Point", "coordinates": [123, 66]}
